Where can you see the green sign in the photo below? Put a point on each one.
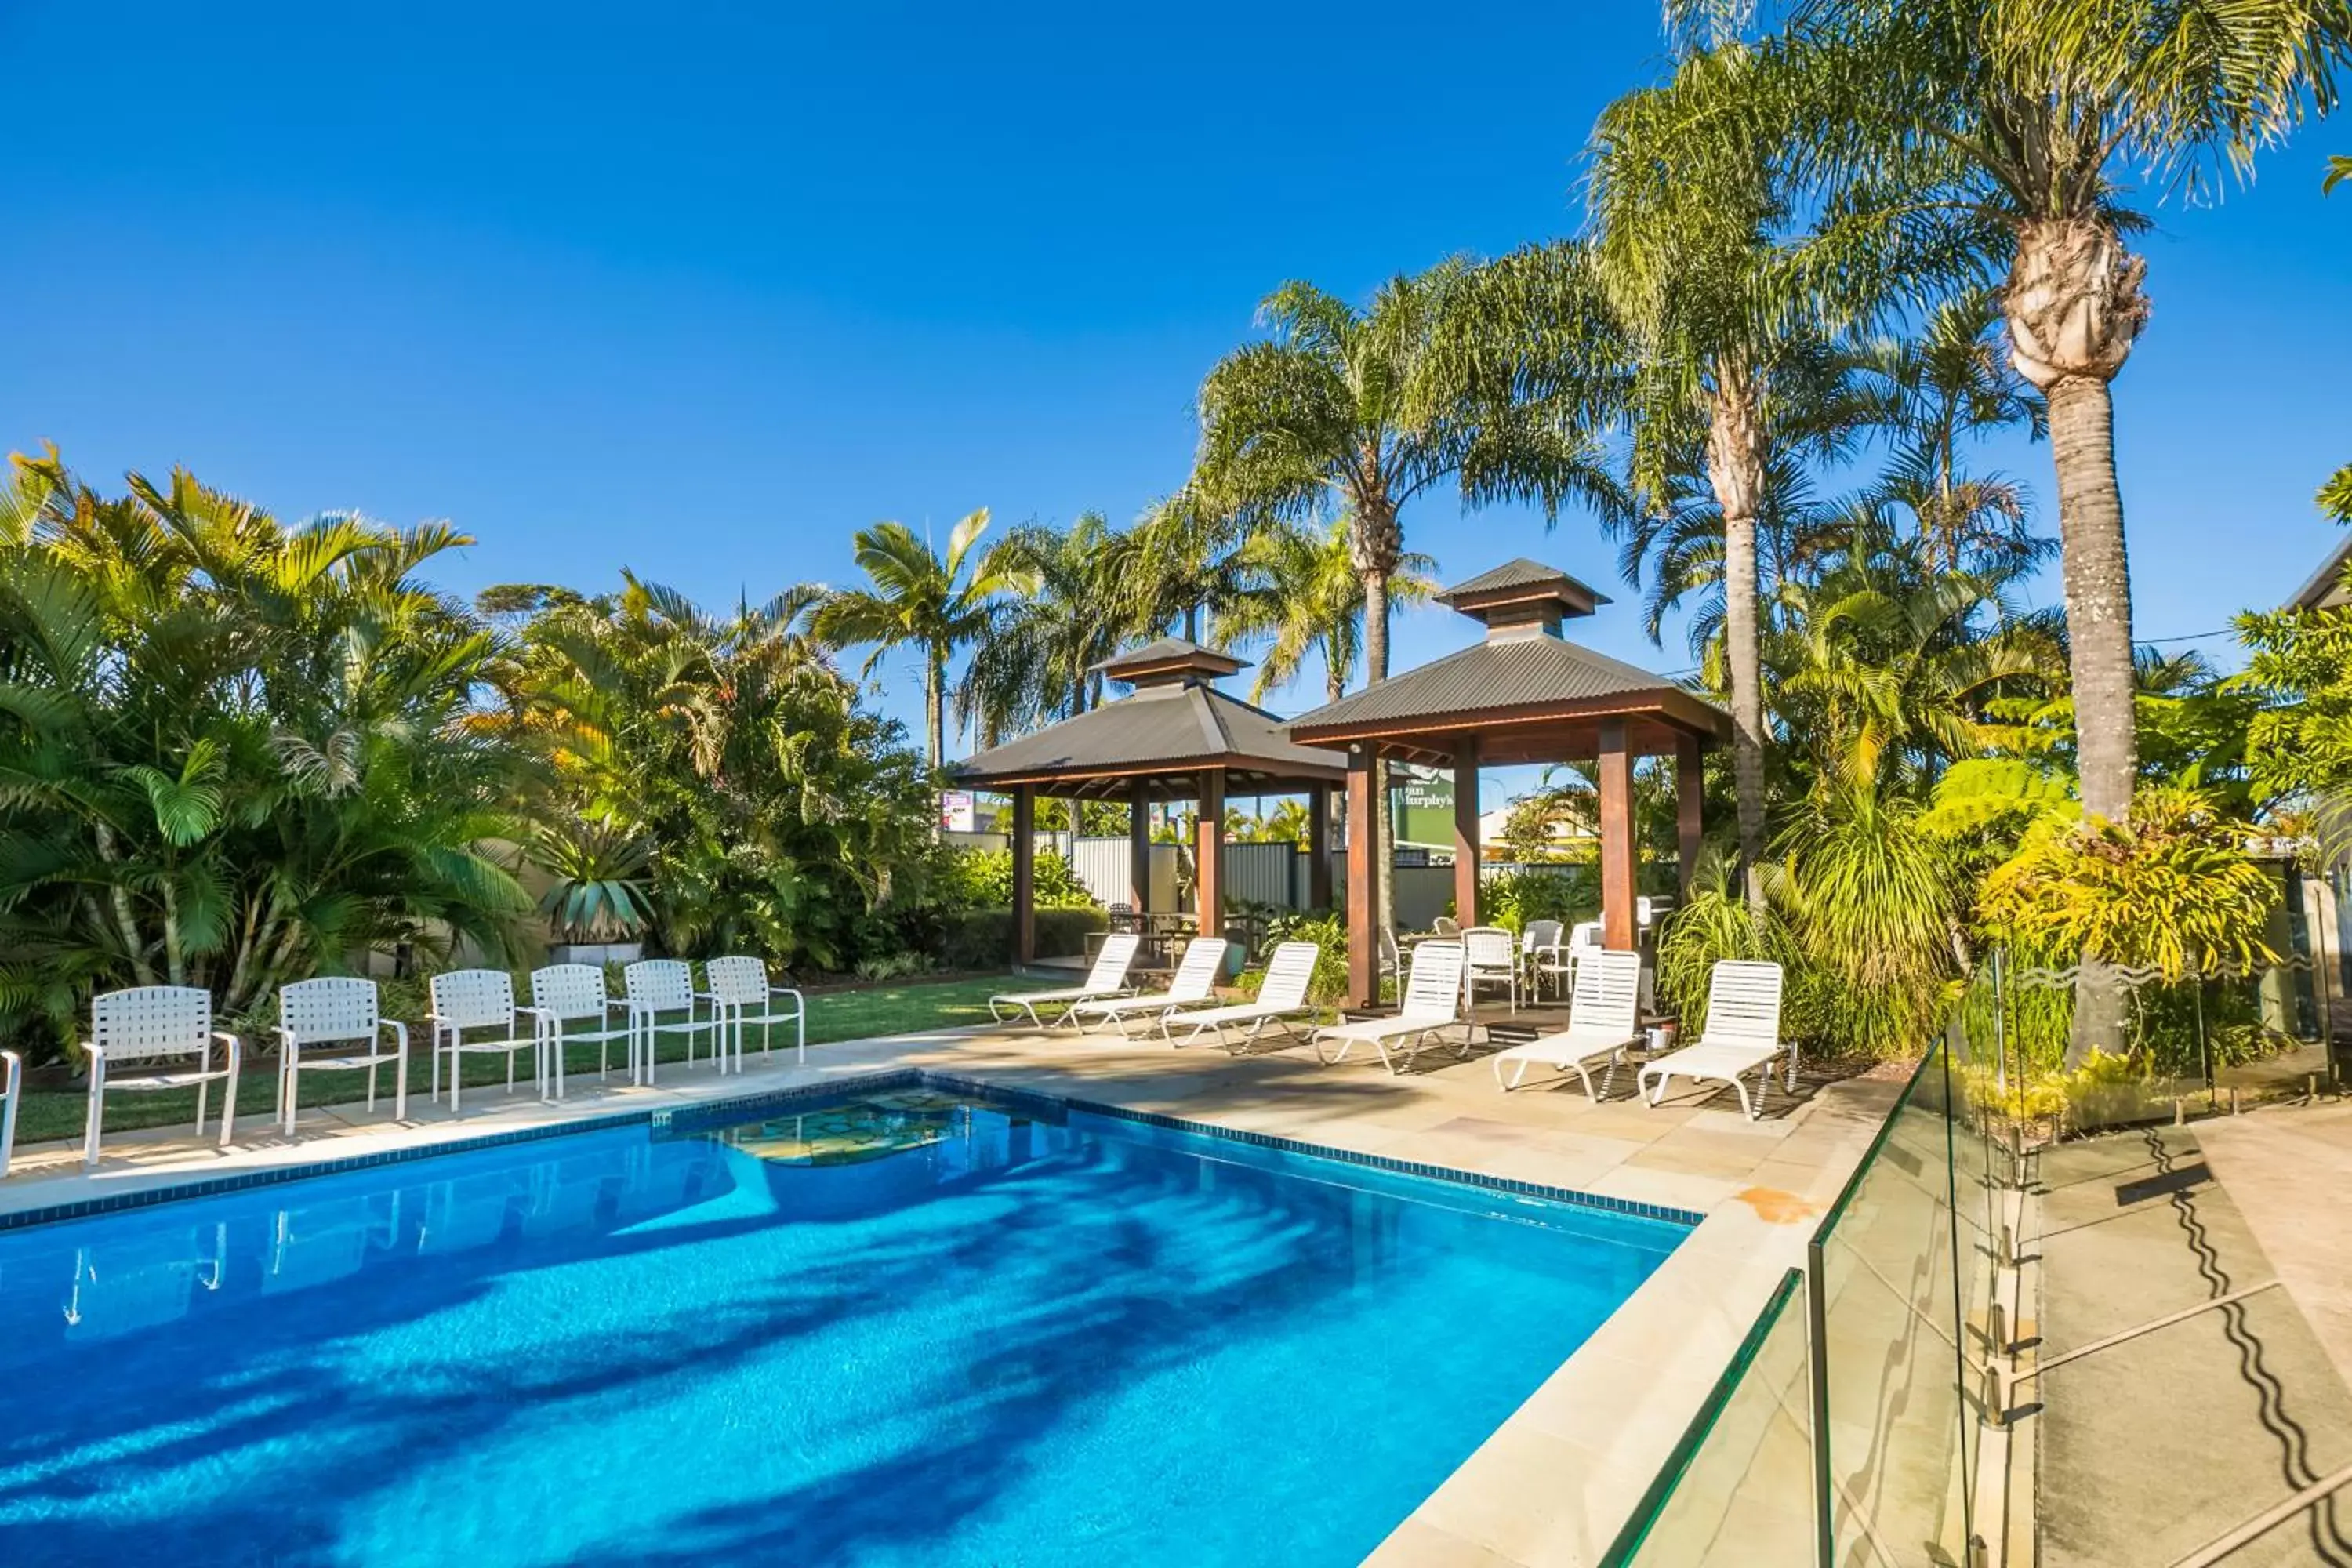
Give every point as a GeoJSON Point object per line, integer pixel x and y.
{"type": "Point", "coordinates": [1421, 807]}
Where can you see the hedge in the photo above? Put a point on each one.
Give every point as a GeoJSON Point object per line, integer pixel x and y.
{"type": "Point", "coordinates": [982, 939]}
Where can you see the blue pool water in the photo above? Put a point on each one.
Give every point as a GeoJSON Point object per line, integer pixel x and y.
{"type": "Point", "coordinates": [914, 1329]}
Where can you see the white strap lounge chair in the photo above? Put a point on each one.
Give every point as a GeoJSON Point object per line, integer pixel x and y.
{"type": "Point", "coordinates": [1433, 1001]}
{"type": "Point", "coordinates": [1107, 978]}
{"type": "Point", "coordinates": [1490, 956]}
{"type": "Point", "coordinates": [159, 1025]}
{"type": "Point", "coordinates": [1195, 981]}
{"type": "Point", "coordinates": [579, 1008]}
{"type": "Point", "coordinates": [12, 1089]}
{"type": "Point", "coordinates": [740, 994]}
{"type": "Point", "coordinates": [337, 1010]}
{"type": "Point", "coordinates": [658, 985]}
{"type": "Point", "coordinates": [1601, 1022]}
{"type": "Point", "coordinates": [1743, 1033]}
{"type": "Point", "coordinates": [1281, 998]}
{"type": "Point", "coordinates": [465, 999]}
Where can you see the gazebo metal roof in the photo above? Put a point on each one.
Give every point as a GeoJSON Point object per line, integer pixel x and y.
{"type": "Point", "coordinates": [1159, 739]}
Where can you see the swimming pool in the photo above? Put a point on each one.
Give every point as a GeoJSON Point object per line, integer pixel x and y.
{"type": "Point", "coordinates": [915, 1326]}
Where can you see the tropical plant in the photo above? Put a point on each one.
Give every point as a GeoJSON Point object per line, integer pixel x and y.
{"type": "Point", "coordinates": [2018, 123]}
{"type": "Point", "coordinates": [600, 887]}
{"type": "Point", "coordinates": [2172, 890]}
{"type": "Point", "coordinates": [231, 751]}
{"type": "Point", "coordinates": [1034, 661]}
{"type": "Point", "coordinates": [1298, 591]}
{"type": "Point", "coordinates": [919, 598]}
{"type": "Point", "coordinates": [1355, 413]}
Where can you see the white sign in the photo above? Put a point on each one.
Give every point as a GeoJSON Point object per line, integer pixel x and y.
{"type": "Point", "coordinates": [957, 813]}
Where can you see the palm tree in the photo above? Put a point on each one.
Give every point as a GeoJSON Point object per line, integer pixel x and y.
{"type": "Point", "coordinates": [2021, 121]}
{"type": "Point", "coordinates": [1934, 393]}
{"type": "Point", "coordinates": [921, 599]}
{"type": "Point", "coordinates": [1035, 662]}
{"type": "Point", "coordinates": [1727, 295]}
{"type": "Point", "coordinates": [1356, 413]}
{"type": "Point", "coordinates": [1177, 565]}
{"type": "Point", "coordinates": [1300, 591]}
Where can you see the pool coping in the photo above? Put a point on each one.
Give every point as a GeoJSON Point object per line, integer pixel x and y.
{"type": "Point", "coordinates": [719, 1110]}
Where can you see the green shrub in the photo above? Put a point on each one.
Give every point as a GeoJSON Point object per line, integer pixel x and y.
{"type": "Point", "coordinates": [1327, 931]}
{"type": "Point", "coordinates": [983, 879]}
{"type": "Point", "coordinates": [982, 939]}
{"type": "Point", "coordinates": [1512, 898]}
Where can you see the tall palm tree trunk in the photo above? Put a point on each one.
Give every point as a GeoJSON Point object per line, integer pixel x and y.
{"type": "Point", "coordinates": [1378, 541]}
{"type": "Point", "coordinates": [2075, 308]}
{"type": "Point", "coordinates": [1735, 463]}
{"type": "Point", "coordinates": [935, 707]}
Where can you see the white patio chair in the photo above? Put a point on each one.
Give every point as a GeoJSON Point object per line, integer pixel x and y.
{"type": "Point", "coordinates": [1445, 927]}
{"type": "Point", "coordinates": [1433, 1001]}
{"type": "Point", "coordinates": [566, 994]}
{"type": "Point", "coordinates": [1195, 981]}
{"type": "Point", "coordinates": [1391, 956]}
{"type": "Point", "coordinates": [1107, 978]}
{"type": "Point", "coordinates": [464, 999]}
{"type": "Point", "coordinates": [740, 993]}
{"type": "Point", "coordinates": [1536, 938]}
{"type": "Point", "coordinates": [337, 1010]}
{"type": "Point", "coordinates": [658, 985]}
{"type": "Point", "coordinates": [1743, 1032]}
{"type": "Point", "coordinates": [1602, 1020]}
{"type": "Point", "coordinates": [12, 1087]}
{"type": "Point", "coordinates": [1490, 957]}
{"type": "Point", "coordinates": [158, 1025]}
{"type": "Point", "coordinates": [1558, 962]}
{"type": "Point", "coordinates": [1281, 997]}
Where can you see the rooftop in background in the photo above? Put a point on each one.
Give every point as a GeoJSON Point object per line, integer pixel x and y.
{"type": "Point", "coordinates": [1522, 593]}
{"type": "Point", "coordinates": [1160, 738]}
{"type": "Point", "coordinates": [2325, 590]}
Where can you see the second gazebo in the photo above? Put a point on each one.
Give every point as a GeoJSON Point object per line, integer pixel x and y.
{"type": "Point", "coordinates": [1524, 694]}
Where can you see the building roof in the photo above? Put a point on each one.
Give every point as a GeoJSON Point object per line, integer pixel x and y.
{"type": "Point", "coordinates": [2325, 589]}
{"type": "Point", "coordinates": [1169, 659]}
{"type": "Point", "coordinates": [1556, 690]}
{"type": "Point", "coordinates": [1522, 582]}
{"type": "Point", "coordinates": [1158, 740]}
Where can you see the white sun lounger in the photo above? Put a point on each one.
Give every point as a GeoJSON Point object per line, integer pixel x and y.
{"type": "Point", "coordinates": [1742, 1034]}
{"type": "Point", "coordinates": [1281, 997]}
{"type": "Point", "coordinates": [1432, 1001]}
{"type": "Point", "coordinates": [1195, 981]}
{"type": "Point", "coordinates": [1602, 1014]}
{"type": "Point", "coordinates": [1107, 978]}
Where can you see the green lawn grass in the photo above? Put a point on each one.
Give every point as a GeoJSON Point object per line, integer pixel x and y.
{"type": "Point", "coordinates": [858, 1015]}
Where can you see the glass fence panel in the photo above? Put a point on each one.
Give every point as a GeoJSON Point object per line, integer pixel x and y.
{"type": "Point", "coordinates": [1740, 1492]}
{"type": "Point", "coordinates": [1899, 1431]}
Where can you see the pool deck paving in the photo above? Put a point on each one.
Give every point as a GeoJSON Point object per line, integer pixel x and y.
{"type": "Point", "coordinates": [1554, 1484]}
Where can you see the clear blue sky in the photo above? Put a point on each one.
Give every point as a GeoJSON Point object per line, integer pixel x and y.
{"type": "Point", "coordinates": [700, 288]}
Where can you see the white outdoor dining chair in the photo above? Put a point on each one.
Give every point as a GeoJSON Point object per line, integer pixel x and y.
{"type": "Point", "coordinates": [158, 1026]}
{"type": "Point", "coordinates": [1446, 927]}
{"type": "Point", "coordinates": [1539, 939]}
{"type": "Point", "coordinates": [658, 985]}
{"type": "Point", "coordinates": [465, 999]}
{"type": "Point", "coordinates": [1490, 957]}
{"type": "Point", "coordinates": [337, 1010]}
{"type": "Point", "coordinates": [12, 1086]}
{"type": "Point", "coordinates": [569, 994]}
{"type": "Point", "coordinates": [741, 996]}
{"type": "Point", "coordinates": [1560, 962]}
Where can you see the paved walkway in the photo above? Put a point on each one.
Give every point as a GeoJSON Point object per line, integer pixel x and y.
{"type": "Point", "coordinates": [1553, 1484]}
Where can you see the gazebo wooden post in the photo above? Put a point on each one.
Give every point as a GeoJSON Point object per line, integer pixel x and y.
{"type": "Point", "coordinates": [1209, 853]}
{"type": "Point", "coordinates": [1690, 785]}
{"type": "Point", "coordinates": [1618, 927]}
{"type": "Point", "coordinates": [1318, 847]}
{"type": "Point", "coordinates": [1024, 874]}
{"type": "Point", "coordinates": [1363, 942]}
{"type": "Point", "coordinates": [1138, 849]}
{"type": "Point", "coordinates": [1466, 830]}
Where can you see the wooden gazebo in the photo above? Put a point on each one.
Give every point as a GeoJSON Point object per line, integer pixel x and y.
{"type": "Point", "coordinates": [1524, 694]}
{"type": "Point", "coordinates": [1175, 737]}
